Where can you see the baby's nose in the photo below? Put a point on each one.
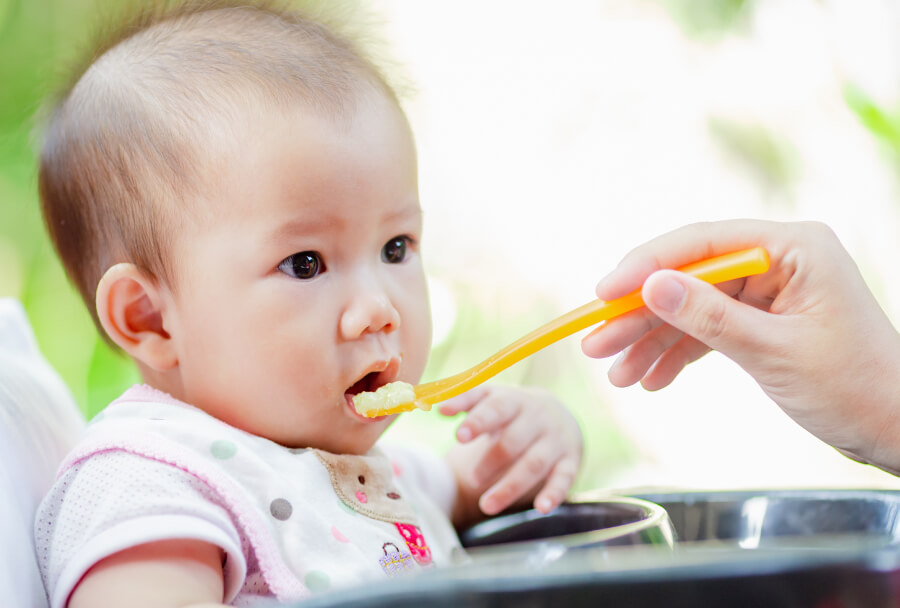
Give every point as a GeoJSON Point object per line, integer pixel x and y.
{"type": "Point", "coordinates": [369, 311]}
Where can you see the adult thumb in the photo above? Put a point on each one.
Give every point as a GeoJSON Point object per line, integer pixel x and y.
{"type": "Point", "coordinates": [704, 312]}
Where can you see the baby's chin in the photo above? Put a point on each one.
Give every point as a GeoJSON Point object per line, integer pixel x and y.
{"type": "Point", "coordinates": [355, 449]}
{"type": "Point", "coordinates": [359, 442]}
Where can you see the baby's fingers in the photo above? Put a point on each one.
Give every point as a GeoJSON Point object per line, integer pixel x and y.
{"type": "Point", "coordinates": [494, 412]}
{"type": "Point", "coordinates": [558, 485]}
{"type": "Point", "coordinates": [464, 402]}
{"type": "Point", "coordinates": [529, 470]}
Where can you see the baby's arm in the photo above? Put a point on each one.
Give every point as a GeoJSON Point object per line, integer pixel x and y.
{"type": "Point", "coordinates": [165, 574]}
{"type": "Point", "coordinates": [517, 447]}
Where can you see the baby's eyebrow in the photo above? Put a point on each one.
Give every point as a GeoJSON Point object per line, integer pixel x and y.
{"type": "Point", "coordinates": [300, 226]}
{"type": "Point", "coordinates": [318, 223]}
{"type": "Point", "coordinates": [410, 211]}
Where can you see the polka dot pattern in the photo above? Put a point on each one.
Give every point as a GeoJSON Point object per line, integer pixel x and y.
{"type": "Point", "coordinates": [338, 535]}
{"type": "Point", "coordinates": [223, 449]}
{"type": "Point", "coordinates": [320, 533]}
{"type": "Point", "coordinates": [346, 507]}
{"type": "Point", "coordinates": [317, 581]}
{"type": "Point", "coordinates": [281, 509]}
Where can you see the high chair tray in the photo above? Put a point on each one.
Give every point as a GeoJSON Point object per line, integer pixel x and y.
{"type": "Point", "coordinates": [781, 549]}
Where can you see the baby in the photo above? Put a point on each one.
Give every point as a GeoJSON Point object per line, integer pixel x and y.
{"type": "Point", "coordinates": [233, 190]}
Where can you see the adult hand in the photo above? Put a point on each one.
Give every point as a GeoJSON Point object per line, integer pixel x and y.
{"type": "Point", "coordinates": [808, 330]}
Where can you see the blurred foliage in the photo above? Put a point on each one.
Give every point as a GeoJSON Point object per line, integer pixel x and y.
{"type": "Point", "coordinates": [768, 156]}
{"type": "Point", "coordinates": [709, 18]}
{"type": "Point", "coordinates": [36, 36]}
{"type": "Point", "coordinates": [881, 122]}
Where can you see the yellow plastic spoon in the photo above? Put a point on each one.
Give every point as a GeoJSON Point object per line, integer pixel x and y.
{"type": "Point", "coordinates": [713, 270]}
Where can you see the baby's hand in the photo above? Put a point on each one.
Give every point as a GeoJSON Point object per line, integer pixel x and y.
{"type": "Point", "coordinates": [515, 446]}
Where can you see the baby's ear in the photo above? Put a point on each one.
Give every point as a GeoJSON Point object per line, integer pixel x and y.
{"type": "Point", "coordinates": [129, 306]}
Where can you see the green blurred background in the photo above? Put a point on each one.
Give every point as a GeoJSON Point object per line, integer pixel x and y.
{"type": "Point", "coordinates": [39, 38]}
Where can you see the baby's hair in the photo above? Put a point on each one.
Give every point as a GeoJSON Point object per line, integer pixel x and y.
{"type": "Point", "coordinates": [125, 141]}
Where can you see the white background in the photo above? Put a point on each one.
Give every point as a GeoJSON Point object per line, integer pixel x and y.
{"type": "Point", "coordinates": [554, 137]}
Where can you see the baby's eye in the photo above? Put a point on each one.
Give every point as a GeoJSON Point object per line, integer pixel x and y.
{"type": "Point", "coordinates": [394, 251]}
{"type": "Point", "coordinates": [303, 265]}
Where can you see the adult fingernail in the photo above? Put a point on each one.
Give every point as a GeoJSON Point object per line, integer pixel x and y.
{"type": "Point", "coordinates": [668, 294]}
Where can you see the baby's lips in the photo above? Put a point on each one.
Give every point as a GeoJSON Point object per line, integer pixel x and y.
{"type": "Point", "coordinates": [388, 374]}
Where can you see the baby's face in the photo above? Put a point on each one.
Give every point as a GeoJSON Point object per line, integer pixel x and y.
{"type": "Point", "coordinates": [304, 284]}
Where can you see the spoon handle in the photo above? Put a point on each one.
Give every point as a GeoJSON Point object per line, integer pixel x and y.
{"type": "Point", "coordinates": [713, 270]}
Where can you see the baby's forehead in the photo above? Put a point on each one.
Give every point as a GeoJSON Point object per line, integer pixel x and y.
{"type": "Point", "coordinates": [300, 153]}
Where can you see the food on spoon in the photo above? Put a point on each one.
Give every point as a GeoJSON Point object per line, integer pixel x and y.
{"type": "Point", "coordinates": [392, 398]}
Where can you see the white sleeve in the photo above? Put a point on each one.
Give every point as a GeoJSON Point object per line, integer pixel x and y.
{"type": "Point", "coordinates": [430, 473]}
{"type": "Point", "coordinates": [116, 500]}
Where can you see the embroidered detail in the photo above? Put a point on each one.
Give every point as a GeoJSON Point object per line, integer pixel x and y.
{"type": "Point", "coordinates": [395, 563]}
{"type": "Point", "coordinates": [374, 499]}
{"type": "Point", "coordinates": [415, 540]}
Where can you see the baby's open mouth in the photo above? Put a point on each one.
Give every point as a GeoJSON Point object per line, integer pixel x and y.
{"type": "Point", "coordinates": [379, 373]}
{"type": "Point", "coordinates": [367, 385]}
{"type": "Point", "coordinates": [370, 382]}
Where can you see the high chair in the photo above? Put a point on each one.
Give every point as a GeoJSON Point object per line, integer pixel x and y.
{"type": "Point", "coordinates": [39, 422]}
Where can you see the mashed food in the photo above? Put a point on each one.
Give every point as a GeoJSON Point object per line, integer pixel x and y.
{"type": "Point", "coordinates": [387, 400]}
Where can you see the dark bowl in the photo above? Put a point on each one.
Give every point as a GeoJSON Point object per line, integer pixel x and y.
{"type": "Point", "coordinates": [611, 522]}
